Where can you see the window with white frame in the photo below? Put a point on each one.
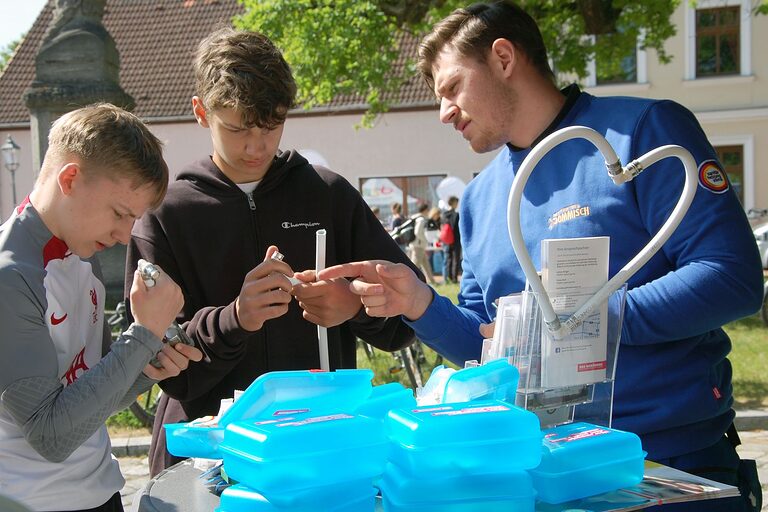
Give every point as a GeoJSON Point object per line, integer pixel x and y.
{"type": "Point", "coordinates": [736, 154]}
{"type": "Point", "coordinates": [718, 35]}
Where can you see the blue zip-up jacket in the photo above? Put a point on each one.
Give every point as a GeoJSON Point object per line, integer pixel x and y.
{"type": "Point", "coordinates": [673, 381]}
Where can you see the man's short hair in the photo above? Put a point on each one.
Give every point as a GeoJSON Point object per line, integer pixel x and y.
{"type": "Point", "coordinates": [111, 143]}
{"type": "Point", "coordinates": [473, 30]}
{"type": "Point", "coordinates": [244, 71]}
{"type": "Point", "coordinates": [453, 201]}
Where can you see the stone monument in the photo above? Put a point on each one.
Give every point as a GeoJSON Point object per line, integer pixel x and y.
{"type": "Point", "coordinates": [77, 64]}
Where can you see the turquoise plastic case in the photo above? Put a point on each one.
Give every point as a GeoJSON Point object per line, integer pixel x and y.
{"type": "Point", "coordinates": [581, 459]}
{"type": "Point", "coordinates": [275, 394]}
{"type": "Point", "coordinates": [464, 437]}
{"type": "Point", "coordinates": [281, 459]}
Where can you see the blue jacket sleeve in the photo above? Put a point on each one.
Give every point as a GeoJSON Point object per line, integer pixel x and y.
{"type": "Point", "coordinates": [715, 274]}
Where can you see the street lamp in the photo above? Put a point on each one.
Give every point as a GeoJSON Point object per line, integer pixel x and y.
{"type": "Point", "coordinates": [11, 160]}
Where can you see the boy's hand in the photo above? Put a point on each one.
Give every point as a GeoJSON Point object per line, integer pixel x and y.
{"type": "Point", "coordinates": [326, 303]}
{"type": "Point", "coordinates": [155, 308]}
{"type": "Point", "coordinates": [265, 293]}
{"type": "Point", "coordinates": [385, 289]}
{"type": "Point", "coordinates": [174, 360]}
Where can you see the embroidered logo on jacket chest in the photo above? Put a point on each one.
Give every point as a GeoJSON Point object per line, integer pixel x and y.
{"type": "Point", "coordinates": [567, 214]}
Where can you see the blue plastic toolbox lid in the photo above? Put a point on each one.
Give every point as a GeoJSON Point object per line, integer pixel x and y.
{"type": "Point", "coordinates": [193, 440]}
{"type": "Point", "coordinates": [465, 423]}
{"type": "Point", "coordinates": [576, 446]}
{"type": "Point", "coordinates": [290, 392]}
{"type": "Point", "coordinates": [496, 380]}
{"type": "Point", "coordinates": [302, 437]}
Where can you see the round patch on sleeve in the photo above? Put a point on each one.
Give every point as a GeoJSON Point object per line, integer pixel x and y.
{"type": "Point", "coordinates": [712, 177]}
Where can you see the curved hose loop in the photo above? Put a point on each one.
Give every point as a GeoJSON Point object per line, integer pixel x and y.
{"type": "Point", "coordinates": [555, 327]}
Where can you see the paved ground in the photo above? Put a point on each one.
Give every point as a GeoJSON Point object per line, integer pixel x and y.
{"type": "Point", "coordinates": [754, 446]}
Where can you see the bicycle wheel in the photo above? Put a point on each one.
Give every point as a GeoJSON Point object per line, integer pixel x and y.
{"type": "Point", "coordinates": [411, 365]}
{"type": "Point", "coordinates": [145, 406]}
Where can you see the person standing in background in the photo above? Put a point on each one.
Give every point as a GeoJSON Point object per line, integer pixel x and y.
{"type": "Point", "coordinates": [451, 240]}
{"type": "Point", "coordinates": [417, 249]}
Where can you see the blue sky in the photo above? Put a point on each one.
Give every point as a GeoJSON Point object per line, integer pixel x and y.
{"type": "Point", "coordinates": [16, 18]}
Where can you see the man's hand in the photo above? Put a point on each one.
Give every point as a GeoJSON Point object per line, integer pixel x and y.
{"type": "Point", "coordinates": [326, 303]}
{"type": "Point", "coordinates": [155, 308]}
{"type": "Point", "coordinates": [486, 330]}
{"type": "Point", "coordinates": [265, 294]}
{"type": "Point", "coordinates": [385, 289]}
{"type": "Point", "coordinates": [174, 360]}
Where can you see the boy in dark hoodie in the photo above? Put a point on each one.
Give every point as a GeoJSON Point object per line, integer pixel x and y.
{"type": "Point", "coordinates": [226, 215]}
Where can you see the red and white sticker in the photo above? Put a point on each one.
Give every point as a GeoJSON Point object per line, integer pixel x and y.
{"type": "Point", "coordinates": [712, 177]}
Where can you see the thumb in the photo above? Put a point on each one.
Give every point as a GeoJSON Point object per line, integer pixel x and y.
{"type": "Point", "coordinates": [486, 330]}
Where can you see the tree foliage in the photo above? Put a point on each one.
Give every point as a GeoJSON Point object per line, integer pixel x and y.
{"type": "Point", "coordinates": [342, 47]}
{"type": "Point", "coordinates": [7, 52]}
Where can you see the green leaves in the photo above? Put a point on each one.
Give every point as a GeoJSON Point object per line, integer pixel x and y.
{"type": "Point", "coordinates": [350, 48]}
{"type": "Point", "coordinates": [335, 48]}
{"type": "Point", "coordinates": [7, 52]}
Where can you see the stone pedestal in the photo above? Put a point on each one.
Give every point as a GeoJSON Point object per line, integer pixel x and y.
{"type": "Point", "coordinates": [77, 64]}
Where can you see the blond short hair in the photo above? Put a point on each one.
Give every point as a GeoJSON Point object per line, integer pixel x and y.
{"type": "Point", "coordinates": [113, 143]}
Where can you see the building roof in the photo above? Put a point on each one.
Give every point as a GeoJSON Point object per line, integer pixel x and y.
{"type": "Point", "coordinates": [156, 40]}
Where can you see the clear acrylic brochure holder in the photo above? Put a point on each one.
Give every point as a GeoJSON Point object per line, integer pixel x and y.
{"type": "Point", "coordinates": [518, 337]}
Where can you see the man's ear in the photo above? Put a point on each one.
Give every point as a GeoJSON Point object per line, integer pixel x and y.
{"type": "Point", "coordinates": [68, 177]}
{"type": "Point", "coordinates": [199, 110]}
{"type": "Point", "coordinates": [503, 56]}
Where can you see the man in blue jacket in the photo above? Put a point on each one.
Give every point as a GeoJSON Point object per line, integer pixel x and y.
{"type": "Point", "coordinates": [488, 67]}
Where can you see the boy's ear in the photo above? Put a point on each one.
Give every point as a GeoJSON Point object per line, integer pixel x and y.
{"type": "Point", "coordinates": [67, 177]}
{"type": "Point", "coordinates": [199, 110]}
{"type": "Point", "coordinates": [503, 56]}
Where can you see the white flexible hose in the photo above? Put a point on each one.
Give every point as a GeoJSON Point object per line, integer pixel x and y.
{"type": "Point", "coordinates": [619, 175]}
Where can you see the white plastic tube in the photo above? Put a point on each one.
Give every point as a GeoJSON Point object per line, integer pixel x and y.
{"type": "Point", "coordinates": [322, 332]}
{"type": "Point", "coordinates": [619, 175]}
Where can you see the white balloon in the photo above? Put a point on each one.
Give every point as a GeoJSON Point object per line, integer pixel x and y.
{"type": "Point", "coordinates": [314, 157]}
{"type": "Point", "coordinates": [450, 186]}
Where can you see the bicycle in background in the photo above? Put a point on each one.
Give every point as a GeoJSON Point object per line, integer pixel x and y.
{"type": "Point", "coordinates": [146, 404]}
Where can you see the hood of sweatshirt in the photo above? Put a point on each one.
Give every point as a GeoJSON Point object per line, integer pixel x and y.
{"type": "Point", "coordinates": [206, 175]}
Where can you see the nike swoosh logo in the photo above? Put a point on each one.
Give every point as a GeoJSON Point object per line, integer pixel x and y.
{"type": "Point", "coordinates": [57, 321]}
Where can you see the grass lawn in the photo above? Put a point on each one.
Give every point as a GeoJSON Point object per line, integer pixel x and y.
{"type": "Point", "coordinates": [749, 358]}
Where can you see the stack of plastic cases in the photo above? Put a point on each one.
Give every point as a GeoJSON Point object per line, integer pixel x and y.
{"type": "Point", "coordinates": [300, 462]}
{"type": "Point", "coordinates": [581, 459]}
{"type": "Point", "coordinates": [461, 457]}
{"type": "Point", "coordinates": [496, 380]}
{"type": "Point", "coordinates": [274, 395]}
{"type": "Point", "coordinates": [239, 498]}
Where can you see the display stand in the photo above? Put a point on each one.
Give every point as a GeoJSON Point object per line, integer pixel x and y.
{"type": "Point", "coordinates": [518, 338]}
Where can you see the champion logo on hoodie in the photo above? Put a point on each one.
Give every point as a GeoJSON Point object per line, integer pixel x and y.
{"type": "Point", "coordinates": [305, 225]}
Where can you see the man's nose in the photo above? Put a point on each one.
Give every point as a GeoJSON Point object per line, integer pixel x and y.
{"type": "Point", "coordinates": [448, 111]}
